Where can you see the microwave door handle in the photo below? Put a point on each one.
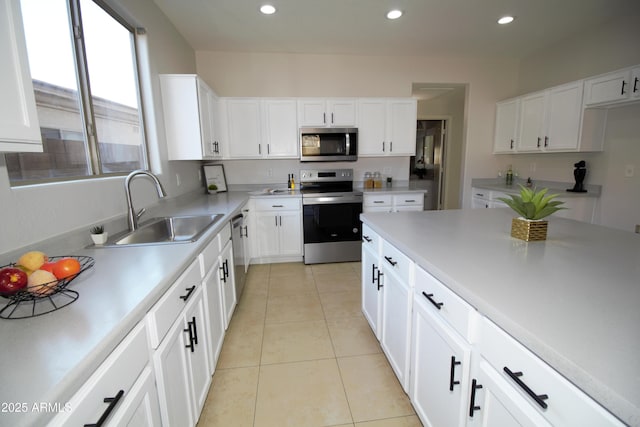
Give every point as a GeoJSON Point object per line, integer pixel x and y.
{"type": "Point", "coordinates": [347, 144]}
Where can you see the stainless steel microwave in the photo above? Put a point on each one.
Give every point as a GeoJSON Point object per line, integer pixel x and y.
{"type": "Point", "coordinates": [328, 144]}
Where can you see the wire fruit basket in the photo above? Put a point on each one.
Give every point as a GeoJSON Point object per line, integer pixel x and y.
{"type": "Point", "coordinates": [44, 298]}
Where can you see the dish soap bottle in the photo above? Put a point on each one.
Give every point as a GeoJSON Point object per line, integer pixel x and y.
{"type": "Point", "coordinates": [509, 177]}
{"type": "Point", "coordinates": [293, 183]}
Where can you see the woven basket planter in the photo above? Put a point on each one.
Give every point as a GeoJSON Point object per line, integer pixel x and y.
{"type": "Point", "coordinates": [528, 230]}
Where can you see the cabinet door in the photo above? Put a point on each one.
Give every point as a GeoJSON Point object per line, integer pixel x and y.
{"type": "Point", "coordinates": [530, 137]}
{"type": "Point", "coordinates": [19, 126]}
{"type": "Point", "coordinates": [171, 365]}
{"type": "Point", "coordinates": [312, 112]}
{"type": "Point", "coordinates": [371, 292]}
{"type": "Point", "coordinates": [214, 318]}
{"type": "Point", "coordinates": [267, 234]}
{"type": "Point", "coordinates": [200, 378]}
{"type": "Point", "coordinates": [506, 125]}
{"type": "Point", "coordinates": [372, 126]}
{"type": "Point", "coordinates": [205, 107]}
{"type": "Point", "coordinates": [563, 115]}
{"type": "Point", "coordinates": [341, 112]}
{"type": "Point", "coordinates": [635, 83]}
{"type": "Point", "coordinates": [141, 408]}
{"type": "Point", "coordinates": [229, 297]}
{"type": "Point", "coordinates": [494, 404]}
{"type": "Point", "coordinates": [440, 362]}
{"type": "Point", "coordinates": [243, 120]}
{"type": "Point", "coordinates": [608, 88]}
{"type": "Point", "coordinates": [290, 232]}
{"type": "Point", "coordinates": [281, 128]}
{"type": "Point", "coordinates": [396, 324]}
{"type": "Point", "coordinates": [401, 127]}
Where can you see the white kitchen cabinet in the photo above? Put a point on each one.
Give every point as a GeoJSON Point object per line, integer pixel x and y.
{"type": "Point", "coordinates": [396, 202]}
{"type": "Point", "coordinates": [387, 127]}
{"type": "Point", "coordinates": [377, 203]}
{"type": "Point", "coordinates": [549, 395]}
{"type": "Point", "coordinates": [141, 408]}
{"type": "Point", "coordinates": [261, 128]}
{"type": "Point", "coordinates": [396, 311]}
{"type": "Point", "coordinates": [550, 120]}
{"type": "Point", "coordinates": [480, 198]}
{"type": "Point", "coordinates": [371, 280]}
{"type": "Point", "coordinates": [441, 352]}
{"type": "Point", "coordinates": [280, 128]}
{"type": "Point", "coordinates": [408, 202]}
{"type": "Point", "coordinates": [212, 289]}
{"type": "Point", "coordinates": [190, 118]}
{"type": "Point", "coordinates": [182, 366]}
{"type": "Point", "coordinates": [322, 112]}
{"type": "Point", "coordinates": [278, 227]}
{"type": "Point", "coordinates": [612, 88]}
{"type": "Point", "coordinates": [116, 388]}
{"type": "Point", "coordinates": [227, 283]}
{"type": "Point", "coordinates": [506, 126]}
{"type": "Point", "coordinates": [19, 125]}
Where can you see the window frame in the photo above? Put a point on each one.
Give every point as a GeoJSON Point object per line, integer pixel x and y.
{"type": "Point", "coordinates": [86, 104]}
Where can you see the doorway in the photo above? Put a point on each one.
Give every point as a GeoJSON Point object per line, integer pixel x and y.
{"type": "Point", "coordinates": [428, 165]}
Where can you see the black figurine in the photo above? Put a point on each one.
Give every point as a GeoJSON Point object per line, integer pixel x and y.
{"type": "Point", "coordinates": [579, 173]}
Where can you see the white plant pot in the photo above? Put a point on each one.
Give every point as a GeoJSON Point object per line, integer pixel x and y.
{"type": "Point", "coordinates": [100, 239]}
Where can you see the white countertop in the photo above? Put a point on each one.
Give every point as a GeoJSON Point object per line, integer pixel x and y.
{"type": "Point", "coordinates": [392, 190]}
{"type": "Point", "coordinates": [47, 358]}
{"type": "Point", "coordinates": [573, 299]}
{"type": "Point", "coordinates": [559, 188]}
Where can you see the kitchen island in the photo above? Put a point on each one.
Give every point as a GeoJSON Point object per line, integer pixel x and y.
{"type": "Point", "coordinates": [44, 360]}
{"type": "Point", "coordinates": [572, 300]}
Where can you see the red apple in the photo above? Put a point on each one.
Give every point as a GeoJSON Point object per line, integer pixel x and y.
{"type": "Point", "coordinates": [12, 280]}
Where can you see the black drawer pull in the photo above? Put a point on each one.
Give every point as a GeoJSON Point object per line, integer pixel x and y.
{"type": "Point", "coordinates": [366, 238]}
{"type": "Point", "coordinates": [113, 402]}
{"type": "Point", "coordinates": [410, 201]}
{"type": "Point", "coordinates": [472, 406]}
{"type": "Point", "coordinates": [277, 206]}
{"type": "Point", "coordinates": [188, 294]}
{"type": "Point", "coordinates": [378, 201]}
{"type": "Point", "coordinates": [452, 382]}
{"type": "Point", "coordinates": [539, 398]}
{"type": "Point", "coordinates": [390, 260]}
{"type": "Point", "coordinates": [438, 305]}
{"type": "Point", "coordinates": [622, 92]}
{"type": "Point", "coordinates": [635, 85]}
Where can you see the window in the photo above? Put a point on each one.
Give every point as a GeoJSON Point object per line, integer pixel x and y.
{"type": "Point", "coordinates": [83, 65]}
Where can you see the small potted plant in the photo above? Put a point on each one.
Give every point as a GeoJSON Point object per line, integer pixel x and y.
{"type": "Point", "coordinates": [212, 188]}
{"type": "Point", "coordinates": [533, 206]}
{"type": "Point", "coordinates": [98, 235]}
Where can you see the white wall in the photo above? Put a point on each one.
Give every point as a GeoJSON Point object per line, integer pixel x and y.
{"type": "Point", "coordinates": [35, 213]}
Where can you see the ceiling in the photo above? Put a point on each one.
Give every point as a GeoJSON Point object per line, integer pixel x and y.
{"type": "Point", "coordinates": [428, 27]}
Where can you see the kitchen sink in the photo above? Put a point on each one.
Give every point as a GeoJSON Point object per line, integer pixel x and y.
{"type": "Point", "coordinates": [167, 230]}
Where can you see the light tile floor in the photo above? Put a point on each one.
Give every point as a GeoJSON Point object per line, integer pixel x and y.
{"type": "Point", "coordinates": [299, 352]}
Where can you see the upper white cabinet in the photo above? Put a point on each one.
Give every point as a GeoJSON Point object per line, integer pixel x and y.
{"type": "Point", "coordinates": [190, 118]}
{"type": "Point", "coordinates": [613, 88]}
{"type": "Point", "coordinates": [19, 126]}
{"type": "Point", "coordinates": [261, 128]}
{"type": "Point", "coordinates": [321, 112]}
{"type": "Point", "coordinates": [506, 126]}
{"type": "Point", "coordinates": [387, 127]}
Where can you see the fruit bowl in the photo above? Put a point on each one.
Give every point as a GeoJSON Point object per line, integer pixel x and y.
{"type": "Point", "coordinates": [45, 297]}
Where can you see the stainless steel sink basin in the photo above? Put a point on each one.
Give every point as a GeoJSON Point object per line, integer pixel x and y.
{"type": "Point", "coordinates": [167, 230]}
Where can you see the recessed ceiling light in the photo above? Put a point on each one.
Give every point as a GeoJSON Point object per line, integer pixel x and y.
{"type": "Point", "coordinates": [267, 9]}
{"type": "Point", "coordinates": [394, 14]}
{"type": "Point", "coordinates": [506, 20]}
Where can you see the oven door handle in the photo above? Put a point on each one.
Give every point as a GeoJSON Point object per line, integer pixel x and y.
{"type": "Point", "coordinates": [331, 200]}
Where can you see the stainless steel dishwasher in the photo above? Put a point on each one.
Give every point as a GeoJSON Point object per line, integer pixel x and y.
{"type": "Point", "coordinates": [237, 225]}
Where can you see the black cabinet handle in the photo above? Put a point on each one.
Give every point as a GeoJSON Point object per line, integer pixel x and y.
{"type": "Point", "coordinates": [380, 285]}
{"type": "Point", "coordinates": [190, 331]}
{"type": "Point", "coordinates": [437, 305]}
{"type": "Point", "coordinates": [390, 260]}
{"type": "Point", "coordinates": [511, 144]}
{"type": "Point", "coordinates": [246, 231]}
{"type": "Point", "coordinates": [472, 406]}
{"type": "Point", "coordinates": [390, 146]}
{"type": "Point", "coordinates": [635, 85]}
{"type": "Point", "coordinates": [224, 276]}
{"type": "Point", "coordinates": [452, 382]}
{"type": "Point", "coordinates": [259, 149]}
{"type": "Point", "coordinates": [378, 201]}
{"type": "Point", "coordinates": [366, 238]}
{"type": "Point", "coordinates": [410, 201]}
{"type": "Point", "coordinates": [538, 398]}
{"type": "Point", "coordinates": [225, 265]}
{"type": "Point", "coordinates": [546, 141]}
{"type": "Point", "coordinates": [538, 144]}
{"type": "Point", "coordinates": [195, 330]}
{"type": "Point", "coordinates": [332, 118]}
{"type": "Point", "coordinates": [383, 146]}
{"type": "Point", "coordinates": [186, 296]}
{"type": "Point", "coordinates": [113, 402]}
{"type": "Point", "coordinates": [324, 118]}
{"type": "Point", "coordinates": [622, 88]}
{"type": "Point", "coordinates": [373, 273]}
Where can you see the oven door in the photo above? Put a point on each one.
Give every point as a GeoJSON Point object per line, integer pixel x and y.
{"type": "Point", "coordinates": [331, 221]}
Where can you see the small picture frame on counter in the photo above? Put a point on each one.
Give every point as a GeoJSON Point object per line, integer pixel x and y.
{"type": "Point", "coordinates": [215, 178]}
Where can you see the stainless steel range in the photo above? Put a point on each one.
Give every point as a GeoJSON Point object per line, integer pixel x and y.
{"type": "Point", "coordinates": [331, 216]}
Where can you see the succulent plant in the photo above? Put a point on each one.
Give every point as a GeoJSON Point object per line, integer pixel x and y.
{"type": "Point", "coordinates": [533, 204]}
{"type": "Point", "coordinates": [98, 229]}
{"type": "Point", "coordinates": [212, 187]}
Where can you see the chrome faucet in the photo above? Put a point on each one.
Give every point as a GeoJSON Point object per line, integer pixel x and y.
{"type": "Point", "coordinates": [133, 216]}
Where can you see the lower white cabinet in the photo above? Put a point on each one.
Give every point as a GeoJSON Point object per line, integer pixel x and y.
{"type": "Point", "coordinates": [396, 320]}
{"type": "Point", "coordinates": [227, 283]}
{"type": "Point", "coordinates": [182, 366]}
{"type": "Point", "coordinates": [371, 281]}
{"type": "Point", "coordinates": [118, 389]}
{"type": "Point", "coordinates": [278, 228]}
{"type": "Point", "coordinates": [396, 202]}
{"type": "Point", "coordinates": [212, 289]}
